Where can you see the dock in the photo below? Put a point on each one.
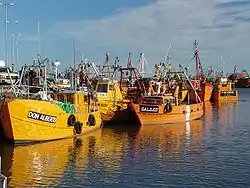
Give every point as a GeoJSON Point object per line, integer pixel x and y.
{"type": "Point", "coordinates": [3, 179]}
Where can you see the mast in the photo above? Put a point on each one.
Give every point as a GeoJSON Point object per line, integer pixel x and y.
{"type": "Point", "coordinates": [142, 64]}
{"type": "Point", "coordinates": [38, 37]}
{"type": "Point", "coordinates": [198, 66]}
{"type": "Point", "coordinates": [167, 57]}
{"type": "Point", "coordinates": [108, 64]}
{"type": "Point", "coordinates": [222, 64]}
{"type": "Point", "coordinates": [129, 65]}
{"type": "Point", "coordinates": [13, 48]}
{"type": "Point", "coordinates": [74, 62]}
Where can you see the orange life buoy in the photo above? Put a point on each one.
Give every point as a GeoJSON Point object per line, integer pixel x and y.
{"type": "Point", "coordinates": [196, 85]}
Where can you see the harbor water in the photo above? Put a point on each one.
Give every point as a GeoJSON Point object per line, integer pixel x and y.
{"type": "Point", "coordinates": [211, 152]}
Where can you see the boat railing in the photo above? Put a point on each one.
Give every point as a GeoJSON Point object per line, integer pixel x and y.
{"type": "Point", "coordinates": [24, 91]}
{"type": "Point", "coordinates": [150, 101]}
{"type": "Point", "coordinates": [3, 179]}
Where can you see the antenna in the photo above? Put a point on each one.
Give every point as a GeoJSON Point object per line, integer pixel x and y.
{"type": "Point", "coordinates": [129, 64]}
{"type": "Point", "coordinates": [108, 63]}
{"type": "Point", "coordinates": [82, 56]}
{"type": "Point", "coordinates": [167, 58]}
{"type": "Point", "coordinates": [6, 5]}
{"type": "Point", "coordinates": [74, 53]}
{"type": "Point", "coordinates": [74, 62]}
{"type": "Point", "coordinates": [38, 37]}
{"type": "Point", "coordinates": [17, 49]}
{"type": "Point", "coordinates": [222, 64]}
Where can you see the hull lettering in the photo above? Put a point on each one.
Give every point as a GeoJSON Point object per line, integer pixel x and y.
{"type": "Point", "coordinates": [42, 117]}
{"type": "Point", "coordinates": [149, 109]}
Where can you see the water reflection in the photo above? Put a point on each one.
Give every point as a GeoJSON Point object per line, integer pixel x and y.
{"type": "Point", "coordinates": [169, 138]}
{"type": "Point", "coordinates": [191, 154]}
{"type": "Point", "coordinates": [95, 159]}
{"type": "Point", "coordinates": [220, 113]}
{"type": "Point", "coordinates": [44, 164]}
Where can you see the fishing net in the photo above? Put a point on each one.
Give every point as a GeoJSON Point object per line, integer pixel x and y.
{"type": "Point", "coordinates": [66, 107]}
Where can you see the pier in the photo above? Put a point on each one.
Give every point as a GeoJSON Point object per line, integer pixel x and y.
{"type": "Point", "coordinates": [3, 179]}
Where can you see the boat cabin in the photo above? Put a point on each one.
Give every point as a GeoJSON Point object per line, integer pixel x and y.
{"type": "Point", "coordinates": [7, 76]}
{"type": "Point", "coordinates": [108, 90]}
{"type": "Point", "coordinates": [75, 99]}
{"type": "Point", "coordinates": [131, 82]}
{"type": "Point", "coordinates": [157, 100]}
{"type": "Point", "coordinates": [225, 87]}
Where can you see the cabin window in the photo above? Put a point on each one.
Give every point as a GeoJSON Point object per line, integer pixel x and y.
{"type": "Point", "coordinates": [85, 98]}
{"type": "Point", "coordinates": [4, 70]}
{"type": "Point", "coordinates": [151, 101]}
{"type": "Point", "coordinates": [70, 99]}
{"type": "Point", "coordinates": [60, 98]}
{"type": "Point", "coordinates": [171, 101]}
{"type": "Point", "coordinates": [111, 87]}
{"type": "Point", "coordinates": [102, 88]}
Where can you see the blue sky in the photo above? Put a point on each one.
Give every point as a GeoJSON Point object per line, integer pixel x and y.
{"type": "Point", "coordinates": [221, 27]}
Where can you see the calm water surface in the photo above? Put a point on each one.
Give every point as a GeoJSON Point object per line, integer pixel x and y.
{"type": "Point", "coordinates": [211, 152]}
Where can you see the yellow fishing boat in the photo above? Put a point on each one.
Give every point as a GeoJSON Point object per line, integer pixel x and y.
{"type": "Point", "coordinates": [28, 120]}
{"type": "Point", "coordinates": [112, 105]}
{"type": "Point", "coordinates": [224, 91]}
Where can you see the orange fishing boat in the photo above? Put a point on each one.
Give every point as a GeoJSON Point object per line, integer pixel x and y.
{"type": "Point", "coordinates": [201, 85]}
{"type": "Point", "coordinates": [224, 91]}
{"type": "Point", "coordinates": [204, 90]}
{"type": "Point", "coordinates": [166, 109]}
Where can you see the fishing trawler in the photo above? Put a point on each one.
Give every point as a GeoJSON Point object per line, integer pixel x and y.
{"type": "Point", "coordinates": [46, 115]}
{"type": "Point", "coordinates": [202, 86]}
{"type": "Point", "coordinates": [113, 107]}
{"type": "Point", "coordinates": [241, 80]}
{"type": "Point", "coordinates": [166, 109]}
{"type": "Point", "coordinates": [163, 105]}
{"type": "Point", "coordinates": [224, 90]}
{"type": "Point", "coordinates": [112, 104]}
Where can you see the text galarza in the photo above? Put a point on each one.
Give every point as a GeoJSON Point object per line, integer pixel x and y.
{"type": "Point", "coordinates": [149, 109]}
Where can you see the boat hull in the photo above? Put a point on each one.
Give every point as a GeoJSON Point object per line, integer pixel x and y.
{"type": "Point", "coordinates": [220, 96]}
{"type": "Point", "coordinates": [205, 93]}
{"type": "Point", "coordinates": [181, 113]}
{"type": "Point", "coordinates": [242, 83]}
{"type": "Point", "coordinates": [36, 121]}
{"type": "Point", "coordinates": [116, 112]}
